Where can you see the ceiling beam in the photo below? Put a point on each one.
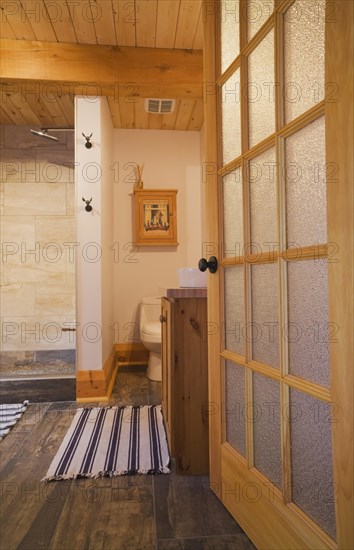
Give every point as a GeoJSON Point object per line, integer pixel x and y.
{"type": "Point", "coordinates": [92, 70]}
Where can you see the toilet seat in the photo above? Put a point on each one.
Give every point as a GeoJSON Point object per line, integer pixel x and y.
{"type": "Point", "coordinates": [153, 328]}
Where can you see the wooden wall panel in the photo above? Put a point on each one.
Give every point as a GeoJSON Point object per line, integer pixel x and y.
{"type": "Point", "coordinates": [145, 23]}
{"type": "Point", "coordinates": [184, 114]}
{"type": "Point", "coordinates": [16, 17]}
{"type": "Point", "coordinates": [187, 23]}
{"type": "Point", "coordinates": [104, 18]}
{"type": "Point", "coordinates": [37, 16]}
{"type": "Point", "coordinates": [166, 25]}
{"type": "Point", "coordinates": [60, 18]}
{"type": "Point", "coordinates": [197, 118]}
{"type": "Point", "coordinates": [141, 116]}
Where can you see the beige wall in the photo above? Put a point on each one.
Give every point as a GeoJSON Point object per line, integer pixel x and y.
{"type": "Point", "coordinates": [107, 279]}
{"type": "Point", "coordinates": [94, 233]}
{"type": "Point", "coordinates": [37, 218]}
{"type": "Point", "coordinates": [171, 161]}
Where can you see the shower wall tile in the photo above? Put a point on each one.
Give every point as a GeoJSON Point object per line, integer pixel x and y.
{"type": "Point", "coordinates": [52, 170]}
{"type": "Point", "coordinates": [24, 363]}
{"type": "Point", "coordinates": [8, 359]}
{"type": "Point", "coordinates": [55, 299]}
{"type": "Point", "coordinates": [20, 137]}
{"type": "Point", "coordinates": [18, 166]}
{"type": "Point", "coordinates": [37, 333]}
{"type": "Point", "coordinates": [32, 269]}
{"type": "Point", "coordinates": [1, 198]}
{"type": "Point", "coordinates": [55, 230]}
{"type": "Point", "coordinates": [70, 199]}
{"type": "Point", "coordinates": [70, 268]}
{"type": "Point", "coordinates": [19, 230]}
{"type": "Point", "coordinates": [36, 199]}
{"type": "Point", "coordinates": [37, 202]}
{"type": "Point", "coordinates": [17, 299]}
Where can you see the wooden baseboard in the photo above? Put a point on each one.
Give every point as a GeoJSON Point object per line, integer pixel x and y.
{"type": "Point", "coordinates": [96, 385]}
{"type": "Point", "coordinates": [132, 353]}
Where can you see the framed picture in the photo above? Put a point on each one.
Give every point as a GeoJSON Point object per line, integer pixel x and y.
{"type": "Point", "coordinates": [155, 217]}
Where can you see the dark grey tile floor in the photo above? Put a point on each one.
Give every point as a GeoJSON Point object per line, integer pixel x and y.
{"type": "Point", "coordinates": [161, 512]}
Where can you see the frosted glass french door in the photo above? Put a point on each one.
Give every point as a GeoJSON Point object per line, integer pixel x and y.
{"type": "Point", "coordinates": [277, 411]}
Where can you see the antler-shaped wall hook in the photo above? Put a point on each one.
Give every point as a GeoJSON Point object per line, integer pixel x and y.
{"type": "Point", "coordinates": [88, 206]}
{"type": "Point", "coordinates": [88, 143]}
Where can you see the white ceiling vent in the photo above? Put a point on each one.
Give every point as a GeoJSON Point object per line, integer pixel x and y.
{"type": "Point", "coordinates": [160, 106]}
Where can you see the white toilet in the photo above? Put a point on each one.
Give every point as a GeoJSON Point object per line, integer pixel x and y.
{"type": "Point", "coordinates": [150, 334]}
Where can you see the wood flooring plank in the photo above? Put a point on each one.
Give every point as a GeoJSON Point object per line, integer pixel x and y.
{"type": "Point", "coordinates": [166, 512]}
{"type": "Point", "coordinates": [118, 514]}
{"type": "Point", "coordinates": [23, 496]}
{"type": "Point", "coordinates": [19, 435]}
{"type": "Point", "coordinates": [42, 528]}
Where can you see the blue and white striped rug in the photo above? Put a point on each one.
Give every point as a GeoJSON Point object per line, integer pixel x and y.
{"type": "Point", "coordinates": [10, 414]}
{"type": "Point", "coordinates": [112, 441]}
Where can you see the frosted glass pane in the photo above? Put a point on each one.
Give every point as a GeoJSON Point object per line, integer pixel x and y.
{"type": "Point", "coordinates": [258, 11]}
{"type": "Point", "coordinates": [230, 31]}
{"type": "Point", "coordinates": [311, 458]}
{"type": "Point", "coordinates": [263, 198]}
{"type": "Point", "coordinates": [304, 54]}
{"type": "Point", "coordinates": [308, 330]}
{"type": "Point", "coordinates": [306, 197]}
{"type": "Point", "coordinates": [261, 91]}
{"type": "Point", "coordinates": [266, 427]}
{"type": "Point", "coordinates": [265, 323]}
{"type": "Point", "coordinates": [235, 406]}
{"type": "Point", "coordinates": [231, 121]}
{"type": "Point", "coordinates": [233, 214]}
{"type": "Point", "coordinates": [234, 309]}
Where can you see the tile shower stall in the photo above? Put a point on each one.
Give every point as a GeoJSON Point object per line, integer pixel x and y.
{"type": "Point", "coordinates": [37, 255]}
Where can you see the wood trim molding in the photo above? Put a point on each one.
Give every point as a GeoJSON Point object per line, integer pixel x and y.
{"type": "Point", "coordinates": [211, 185]}
{"type": "Point", "coordinates": [131, 353]}
{"type": "Point", "coordinates": [340, 199]}
{"type": "Point", "coordinates": [104, 70]}
{"type": "Point", "coordinates": [96, 385]}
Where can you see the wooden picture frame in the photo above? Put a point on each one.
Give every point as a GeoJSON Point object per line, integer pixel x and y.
{"type": "Point", "coordinates": [155, 217]}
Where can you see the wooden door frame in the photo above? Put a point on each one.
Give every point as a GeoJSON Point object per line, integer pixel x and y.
{"type": "Point", "coordinates": [339, 147]}
{"type": "Point", "coordinates": [340, 199]}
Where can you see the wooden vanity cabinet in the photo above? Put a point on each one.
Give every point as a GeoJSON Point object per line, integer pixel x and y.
{"type": "Point", "coordinates": [185, 382]}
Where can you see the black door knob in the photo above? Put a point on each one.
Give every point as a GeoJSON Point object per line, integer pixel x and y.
{"type": "Point", "coordinates": [212, 264]}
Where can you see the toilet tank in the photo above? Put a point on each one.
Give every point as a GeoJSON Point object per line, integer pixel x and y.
{"type": "Point", "coordinates": [150, 309]}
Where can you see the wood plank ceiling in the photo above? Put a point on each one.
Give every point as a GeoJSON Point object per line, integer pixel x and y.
{"type": "Point", "coordinates": [170, 24]}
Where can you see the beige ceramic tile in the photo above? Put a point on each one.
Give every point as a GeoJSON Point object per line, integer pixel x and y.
{"type": "Point", "coordinates": [1, 198]}
{"type": "Point", "coordinates": [70, 267]}
{"type": "Point", "coordinates": [56, 165]}
{"type": "Point", "coordinates": [17, 299]}
{"type": "Point", "coordinates": [20, 137]}
{"type": "Point", "coordinates": [35, 199]}
{"type": "Point", "coordinates": [19, 166]}
{"type": "Point", "coordinates": [55, 230]}
{"type": "Point", "coordinates": [37, 333]}
{"type": "Point", "coordinates": [53, 299]}
{"type": "Point", "coordinates": [18, 229]}
{"type": "Point", "coordinates": [17, 243]}
{"type": "Point", "coordinates": [70, 199]}
{"type": "Point", "coordinates": [28, 269]}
